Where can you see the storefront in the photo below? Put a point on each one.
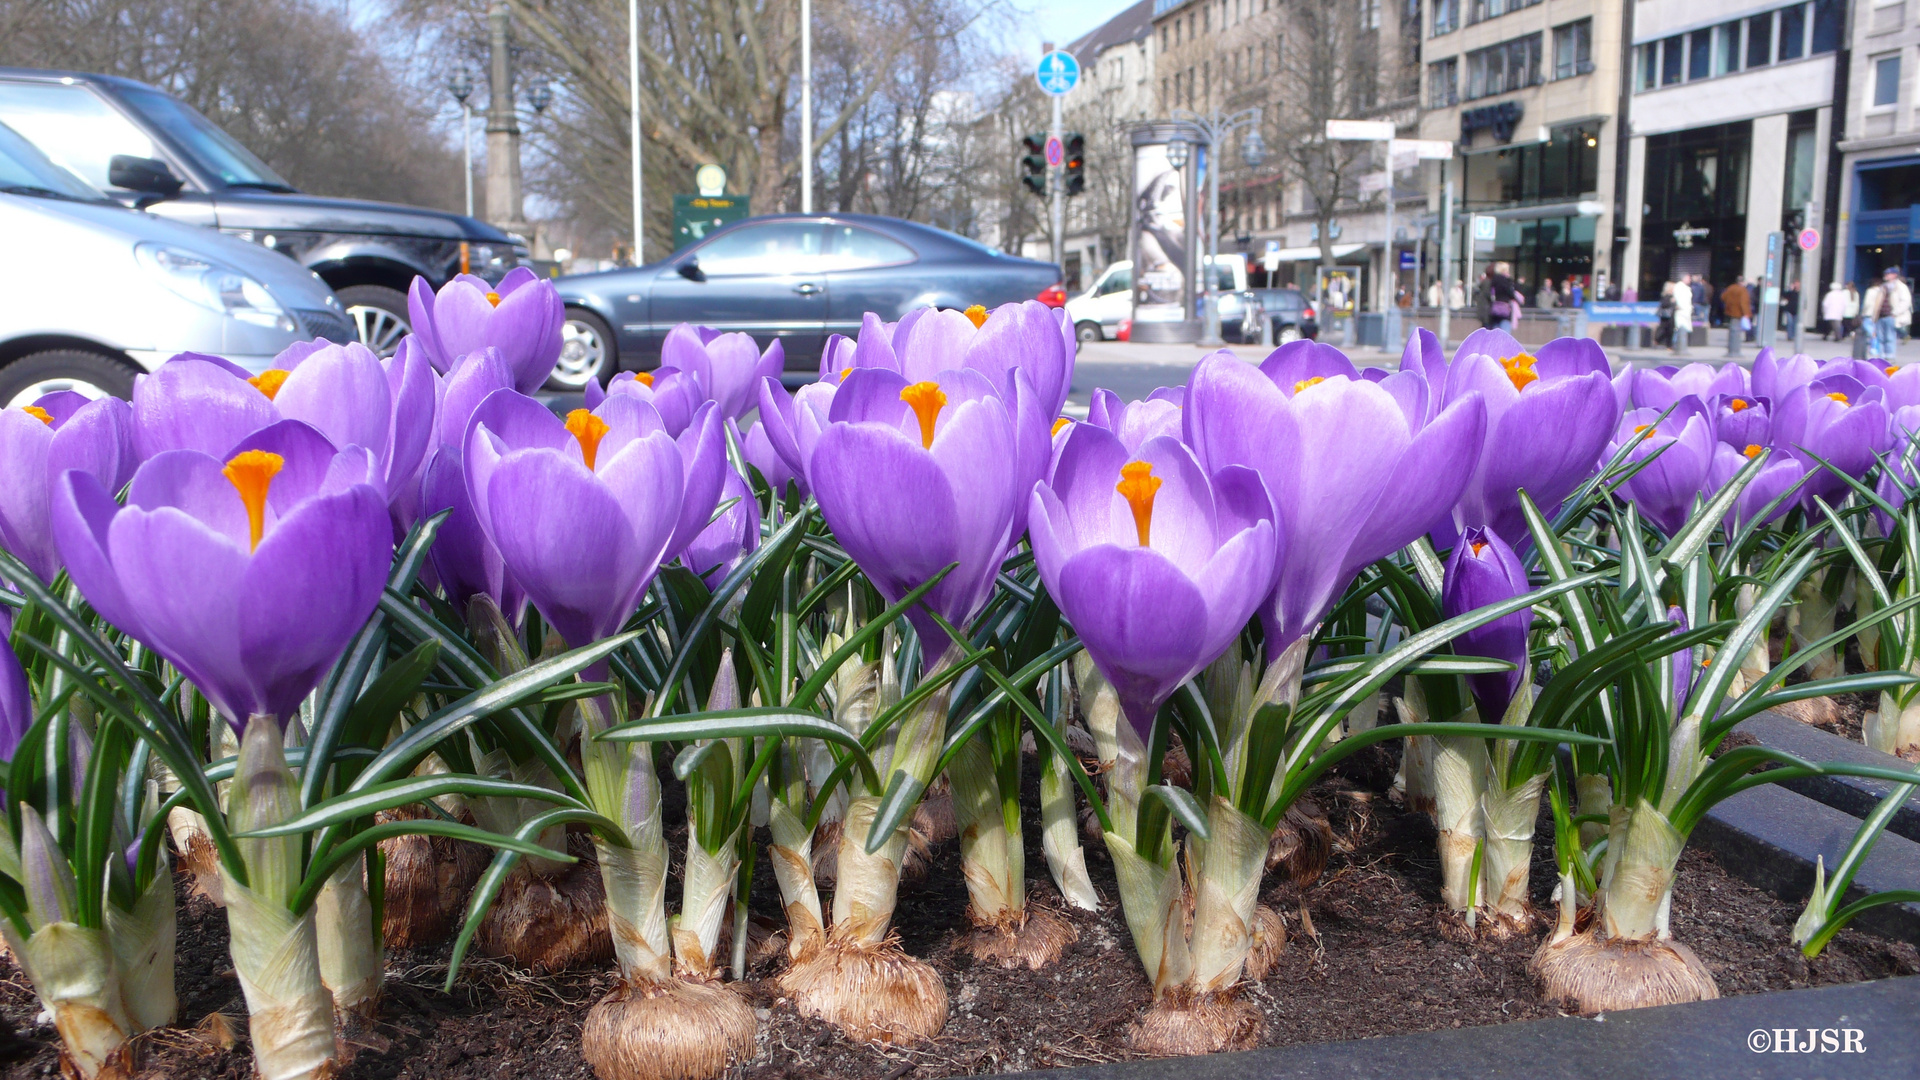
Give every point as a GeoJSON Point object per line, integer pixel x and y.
{"type": "Point", "coordinates": [1886, 218]}
{"type": "Point", "coordinates": [1543, 195]}
{"type": "Point", "coordinates": [1696, 198]}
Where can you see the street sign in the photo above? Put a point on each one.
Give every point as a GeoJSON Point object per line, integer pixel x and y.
{"type": "Point", "coordinates": [1360, 130]}
{"type": "Point", "coordinates": [1058, 73]}
{"type": "Point", "coordinates": [1485, 227]}
{"type": "Point", "coordinates": [1056, 153]}
{"type": "Point", "coordinates": [1809, 239]}
{"type": "Point", "coordinates": [1425, 149]}
{"type": "Point", "coordinates": [711, 179]}
{"type": "Point", "coordinates": [694, 216]}
{"type": "Point", "coordinates": [1373, 182]}
{"type": "Point", "coordinates": [1622, 313]}
{"type": "Point", "coordinates": [1408, 261]}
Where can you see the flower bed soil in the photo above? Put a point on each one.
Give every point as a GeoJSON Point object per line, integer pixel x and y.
{"type": "Point", "coordinates": [1387, 961]}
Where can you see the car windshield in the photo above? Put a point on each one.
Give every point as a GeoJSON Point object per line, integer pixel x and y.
{"type": "Point", "coordinates": [214, 150]}
{"type": "Point", "coordinates": [26, 171]}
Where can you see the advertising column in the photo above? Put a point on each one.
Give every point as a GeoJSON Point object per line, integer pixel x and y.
{"type": "Point", "coordinates": [1163, 255]}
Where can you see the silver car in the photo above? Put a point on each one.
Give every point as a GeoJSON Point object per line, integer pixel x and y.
{"type": "Point", "coordinates": [92, 293]}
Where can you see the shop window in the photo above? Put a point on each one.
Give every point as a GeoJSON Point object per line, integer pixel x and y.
{"type": "Point", "coordinates": [1893, 188]}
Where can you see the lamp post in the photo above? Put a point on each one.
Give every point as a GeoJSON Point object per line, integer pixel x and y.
{"type": "Point", "coordinates": [1254, 151]}
{"type": "Point", "coordinates": [806, 106]}
{"type": "Point", "coordinates": [633, 119]}
{"type": "Point", "coordinates": [461, 87]}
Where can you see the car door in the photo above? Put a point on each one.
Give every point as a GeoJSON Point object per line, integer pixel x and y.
{"type": "Point", "coordinates": [870, 271]}
{"type": "Point", "coordinates": [764, 279]}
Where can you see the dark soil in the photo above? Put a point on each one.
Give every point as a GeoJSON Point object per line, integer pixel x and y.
{"type": "Point", "coordinates": [1387, 961]}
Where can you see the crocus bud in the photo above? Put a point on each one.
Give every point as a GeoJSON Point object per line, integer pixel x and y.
{"type": "Point", "coordinates": [1482, 571]}
{"type": "Point", "coordinates": [44, 871]}
{"type": "Point", "coordinates": [265, 794]}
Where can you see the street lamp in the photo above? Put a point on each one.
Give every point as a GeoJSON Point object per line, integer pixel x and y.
{"type": "Point", "coordinates": [1254, 151]}
{"type": "Point", "coordinates": [540, 95]}
{"type": "Point", "coordinates": [1177, 150]}
{"type": "Point", "coordinates": [461, 87]}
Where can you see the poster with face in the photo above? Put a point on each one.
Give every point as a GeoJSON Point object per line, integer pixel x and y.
{"type": "Point", "coordinates": [1160, 228]}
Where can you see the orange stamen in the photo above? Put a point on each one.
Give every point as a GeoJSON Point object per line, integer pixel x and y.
{"type": "Point", "coordinates": [493, 298]}
{"type": "Point", "coordinates": [644, 378]}
{"type": "Point", "coordinates": [978, 314]}
{"type": "Point", "coordinates": [1892, 370]}
{"type": "Point", "coordinates": [1304, 383]}
{"type": "Point", "coordinates": [1737, 405]}
{"type": "Point", "coordinates": [251, 473]}
{"type": "Point", "coordinates": [39, 414]}
{"type": "Point", "coordinates": [589, 429]}
{"type": "Point", "coordinates": [1478, 546]}
{"type": "Point", "coordinates": [927, 400]}
{"type": "Point", "coordinates": [1752, 450]}
{"type": "Point", "coordinates": [1838, 396]}
{"type": "Point", "coordinates": [1138, 485]}
{"type": "Point", "coordinates": [269, 381]}
{"type": "Point", "coordinates": [1520, 370]}
{"type": "Point", "coordinates": [1638, 428]}
{"type": "Point", "coordinates": [1060, 423]}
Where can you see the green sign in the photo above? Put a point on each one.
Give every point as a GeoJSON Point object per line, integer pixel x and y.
{"type": "Point", "coordinates": [694, 216]}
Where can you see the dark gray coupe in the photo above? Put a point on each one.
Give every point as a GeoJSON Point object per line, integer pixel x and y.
{"type": "Point", "coordinates": [787, 277]}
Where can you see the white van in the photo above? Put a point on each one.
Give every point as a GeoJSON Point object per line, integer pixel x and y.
{"type": "Point", "coordinates": [1098, 312]}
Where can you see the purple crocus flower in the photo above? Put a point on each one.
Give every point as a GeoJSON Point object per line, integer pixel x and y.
{"type": "Point", "coordinates": [732, 536]}
{"type": "Point", "coordinates": [1741, 420]}
{"type": "Point", "coordinates": [794, 421]}
{"type": "Point", "coordinates": [584, 511]}
{"type": "Point", "coordinates": [1156, 564]}
{"type": "Point", "coordinates": [463, 557]}
{"type": "Point", "coordinates": [1681, 448]}
{"type": "Point", "coordinates": [58, 432]}
{"type": "Point", "coordinates": [728, 367]}
{"type": "Point", "coordinates": [249, 574]}
{"type": "Point", "coordinates": [1835, 421]}
{"type": "Point", "coordinates": [16, 704]}
{"type": "Point", "coordinates": [760, 453]}
{"type": "Point", "coordinates": [673, 393]}
{"type": "Point", "coordinates": [1482, 571]}
{"type": "Point", "coordinates": [1134, 422]}
{"type": "Point", "coordinates": [1774, 376]}
{"type": "Point", "coordinates": [913, 476]}
{"type": "Point", "coordinates": [522, 317]}
{"type": "Point", "coordinates": [1658, 388]}
{"type": "Point", "coordinates": [1549, 415]}
{"type": "Point", "coordinates": [1028, 337]}
{"type": "Point", "coordinates": [1355, 470]}
{"type": "Point", "coordinates": [1779, 474]}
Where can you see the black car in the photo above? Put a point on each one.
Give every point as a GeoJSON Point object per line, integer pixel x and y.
{"type": "Point", "coordinates": [1288, 310]}
{"type": "Point", "coordinates": [787, 277]}
{"type": "Point", "coordinates": [150, 150]}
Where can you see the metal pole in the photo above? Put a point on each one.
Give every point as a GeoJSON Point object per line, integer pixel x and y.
{"type": "Point", "coordinates": [466, 149]}
{"type": "Point", "coordinates": [633, 110]}
{"type": "Point", "coordinates": [1056, 175]}
{"type": "Point", "coordinates": [1390, 262]}
{"type": "Point", "coordinates": [1446, 254]}
{"type": "Point", "coordinates": [1190, 194]}
{"type": "Point", "coordinates": [1210, 329]}
{"type": "Point", "coordinates": [806, 106]}
{"type": "Point", "coordinates": [1466, 280]}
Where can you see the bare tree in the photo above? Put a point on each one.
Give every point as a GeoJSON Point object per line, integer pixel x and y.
{"type": "Point", "coordinates": [292, 80]}
{"type": "Point", "coordinates": [1327, 69]}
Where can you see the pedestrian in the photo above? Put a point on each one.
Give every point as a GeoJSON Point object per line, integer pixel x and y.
{"type": "Point", "coordinates": [1901, 298]}
{"type": "Point", "coordinates": [1833, 313]}
{"type": "Point", "coordinates": [1546, 298]}
{"type": "Point", "coordinates": [1577, 294]}
{"type": "Point", "coordinates": [1457, 296]}
{"type": "Point", "coordinates": [1879, 315]}
{"type": "Point", "coordinates": [1433, 293]}
{"type": "Point", "coordinates": [1663, 333]}
{"type": "Point", "coordinates": [1503, 298]}
{"type": "Point", "coordinates": [1682, 316]}
{"type": "Point", "coordinates": [1702, 296]}
{"type": "Point", "coordinates": [1790, 308]}
{"type": "Point", "coordinates": [1737, 303]}
{"type": "Point", "coordinates": [1850, 318]}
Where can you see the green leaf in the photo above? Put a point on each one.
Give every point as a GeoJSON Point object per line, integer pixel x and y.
{"type": "Point", "coordinates": [902, 795]}
{"type": "Point", "coordinates": [324, 868]}
{"type": "Point", "coordinates": [370, 800]}
{"type": "Point", "coordinates": [759, 722]}
{"type": "Point", "coordinates": [803, 698]}
{"type": "Point", "coordinates": [1183, 806]}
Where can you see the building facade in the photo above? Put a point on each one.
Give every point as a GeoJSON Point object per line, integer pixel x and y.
{"type": "Point", "coordinates": [1730, 132]}
{"type": "Point", "coordinates": [1530, 92]}
{"type": "Point", "coordinates": [1878, 179]}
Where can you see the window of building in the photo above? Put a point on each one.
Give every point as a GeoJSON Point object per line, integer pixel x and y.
{"type": "Point", "coordinates": [1793, 32]}
{"type": "Point", "coordinates": [1573, 49]}
{"type": "Point", "coordinates": [1828, 17]}
{"type": "Point", "coordinates": [1443, 82]}
{"type": "Point", "coordinates": [1698, 175]}
{"type": "Point", "coordinates": [1886, 80]}
{"type": "Point", "coordinates": [1892, 188]}
{"type": "Point", "coordinates": [1801, 127]}
{"type": "Point", "coordinates": [1672, 57]}
{"type": "Point", "coordinates": [1482, 10]}
{"type": "Point", "coordinates": [1510, 65]}
{"type": "Point", "coordinates": [1649, 55]}
{"type": "Point", "coordinates": [1699, 54]}
{"type": "Point", "coordinates": [1726, 57]}
{"type": "Point", "coordinates": [1760, 40]}
{"type": "Point", "coordinates": [1446, 17]}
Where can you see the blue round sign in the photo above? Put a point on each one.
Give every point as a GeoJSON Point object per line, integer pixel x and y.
{"type": "Point", "coordinates": [1059, 72]}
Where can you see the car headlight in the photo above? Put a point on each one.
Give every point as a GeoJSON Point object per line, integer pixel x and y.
{"type": "Point", "coordinates": [217, 288]}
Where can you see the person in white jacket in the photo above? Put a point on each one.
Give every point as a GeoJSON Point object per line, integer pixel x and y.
{"type": "Point", "coordinates": [1682, 318]}
{"type": "Point", "coordinates": [1833, 313]}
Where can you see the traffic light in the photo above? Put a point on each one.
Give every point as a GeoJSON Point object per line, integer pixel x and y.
{"type": "Point", "coordinates": [1075, 176]}
{"type": "Point", "coordinates": [1034, 165]}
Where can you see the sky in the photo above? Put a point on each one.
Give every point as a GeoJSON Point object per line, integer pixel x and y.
{"type": "Point", "coordinates": [1060, 21]}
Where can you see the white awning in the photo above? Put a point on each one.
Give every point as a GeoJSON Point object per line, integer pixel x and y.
{"type": "Point", "coordinates": [1310, 253]}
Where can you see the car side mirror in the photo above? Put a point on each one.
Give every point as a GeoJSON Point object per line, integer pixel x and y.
{"type": "Point", "coordinates": [691, 270]}
{"type": "Point", "coordinates": [143, 174]}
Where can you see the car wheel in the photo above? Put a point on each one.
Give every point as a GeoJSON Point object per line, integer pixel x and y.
{"type": "Point", "coordinates": [379, 316]}
{"type": "Point", "coordinates": [1288, 332]}
{"type": "Point", "coordinates": [89, 374]}
{"type": "Point", "coordinates": [1088, 330]}
{"type": "Point", "coordinates": [587, 351]}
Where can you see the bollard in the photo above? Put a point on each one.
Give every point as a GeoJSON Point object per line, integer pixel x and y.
{"type": "Point", "coordinates": [1733, 338]}
{"type": "Point", "coordinates": [1860, 342]}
